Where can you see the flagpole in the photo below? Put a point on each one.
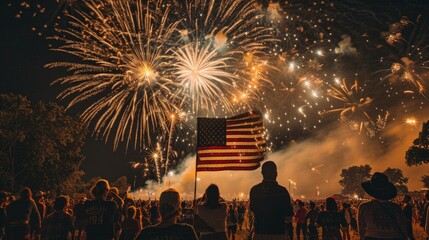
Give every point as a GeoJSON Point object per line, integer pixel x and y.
{"type": "Point", "coordinates": [196, 176]}
{"type": "Point", "coordinates": [195, 187]}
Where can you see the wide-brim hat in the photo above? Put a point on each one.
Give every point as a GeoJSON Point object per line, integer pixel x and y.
{"type": "Point", "coordinates": [379, 187]}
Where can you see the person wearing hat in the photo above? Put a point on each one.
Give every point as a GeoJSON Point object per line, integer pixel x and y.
{"type": "Point", "coordinates": [381, 218]}
{"type": "Point", "coordinates": [168, 228]}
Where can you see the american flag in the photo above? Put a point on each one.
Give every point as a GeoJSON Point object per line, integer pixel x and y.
{"type": "Point", "coordinates": [236, 143]}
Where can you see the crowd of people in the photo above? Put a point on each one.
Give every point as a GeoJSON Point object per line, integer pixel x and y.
{"type": "Point", "coordinates": [270, 213]}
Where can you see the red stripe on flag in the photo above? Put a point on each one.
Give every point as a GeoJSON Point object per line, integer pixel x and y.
{"type": "Point", "coordinates": [244, 139]}
{"type": "Point", "coordinates": [229, 154]}
{"type": "Point", "coordinates": [216, 162]}
{"type": "Point", "coordinates": [229, 147]}
{"type": "Point", "coordinates": [212, 169]}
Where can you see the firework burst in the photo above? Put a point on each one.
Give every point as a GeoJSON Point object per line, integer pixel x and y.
{"type": "Point", "coordinates": [204, 76]}
{"type": "Point", "coordinates": [406, 62]}
{"type": "Point", "coordinates": [122, 70]}
{"type": "Point", "coordinates": [223, 53]}
{"type": "Point", "coordinates": [355, 105]}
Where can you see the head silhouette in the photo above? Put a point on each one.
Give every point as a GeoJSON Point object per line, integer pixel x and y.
{"type": "Point", "coordinates": [212, 195]}
{"type": "Point", "coordinates": [101, 189]}
{"type": "Point", "coordinates": [269, 170]}
{"type": "Point", "coordinates": [331, 205]}
{"type": "Point", "coordinates": [26, 194]}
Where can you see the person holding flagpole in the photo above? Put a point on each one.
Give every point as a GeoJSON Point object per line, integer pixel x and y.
{"type": "Point", "coordinates": [213, 212]}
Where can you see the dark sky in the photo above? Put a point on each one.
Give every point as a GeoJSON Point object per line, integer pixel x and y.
{"type": "Point", "coordinates": [23, 56]}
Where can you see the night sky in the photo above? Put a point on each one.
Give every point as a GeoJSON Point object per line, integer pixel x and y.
{"type": "Point", "coordinates": [23, 56]}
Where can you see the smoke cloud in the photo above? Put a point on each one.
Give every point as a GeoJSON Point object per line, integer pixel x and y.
{"type": "Point", "coordinates": [345, 46]}
{"type": "Point", "coordinates": [314, 165]}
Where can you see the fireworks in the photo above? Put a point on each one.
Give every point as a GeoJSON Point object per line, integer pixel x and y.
{"type": "Point", "coordinates": [140, 64]}
{"type": "Point", "coordinates": [224, 53]}
{"type": "Point", "coordinates": [123, 73]}
{"type": "Point", "coordinates": [408, 65]}
{"type": "Point", "coordinates": [355, 104]}
{"type": "Point", "coordinates": [204, 76]}
{"type": "Point", "coordinates": [316, 169]}
{"type": "Point", "coordinates": [412, 121]}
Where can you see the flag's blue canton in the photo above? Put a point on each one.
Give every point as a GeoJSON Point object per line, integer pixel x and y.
{"type": "Point", "coordinates": [211, 132]}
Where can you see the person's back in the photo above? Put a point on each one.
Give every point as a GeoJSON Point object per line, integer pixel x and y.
{"type": "Point", "coordinates": [270, 203]}
{"type": "Point", "coordinates": [382, 219]}
{"type": "Point", "coordinates": [214, 217]}
{"type": "Point", "coordinates": [79, 211]}
{"type": "Point", "coordinates": [331, 221]}
{"type": "Point", "coordinates": [3, 199]}
{"type": "Point", "coordinates": [130, 229]}
{"type": "Point", "coordinates": [154, 213]}
{"type": "Point", "coordinates": [20, 215]}
{"type": "Point", "coordinates": [300, 215]}
{"type": "Point", "coordinates": [175, 231]}
{"type": "Point", "coordinates": [301, 220]}
{"type": "Point", "coordinates": [100, 214]}
{"type": "Point", "coordinates": [130, 226]}
{"type": "Point", "coordinates": [59, 224]}
{"type": "Point", "coordinates": [312, 217]}
{"type": "Point", "coordinates": [20, 211]}
{"type": "Point", "coordinates": [331, 224]}
{"type": "Point", "coordinates": [168, 228]}
{"type": "Point", "coordinates": [100, 219]}
{"type": "Point", "coordinates": [407, 209]}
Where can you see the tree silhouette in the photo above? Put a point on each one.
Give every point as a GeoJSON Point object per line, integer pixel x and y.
{"type": "Point", "coordinates": [352, 177]}
{"type": "Point", "coordinates": [418, 153]}
{"type": "Point", "coordinates": [395, 175]}
{"type": "Point", "coordinates": [40, 145]}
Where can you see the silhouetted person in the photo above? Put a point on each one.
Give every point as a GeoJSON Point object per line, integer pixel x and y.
{"type": "Point", "coordinates": [271, 205]}
{"type": "Point", "coordinates": [154, 213]}
{"type": "Point", "coordinates": [130, 226]}
{"type": "Point", "coordinates": [408, 212]}
{"type": "Point", "coordinates": [312, 217]}
{"type": "Point", "coordinates": [232, 221]}
{"type": "Point", "coordinates": [346, 213]}
{"type": "Point", "coordinates": [3, 200]}
{"type": "Point", "coordinates": [168, 228]}
{"type": "Point", "coordinates": [381, 218]}
{"type": "Point", "coordinates": [21, 214]}
{"type": "Point", "coordinates": [424, 219]}
{"type": "Point", "coordinates": [301, 221]}
{"type": "Point", "coordinates": [331, 221]}
{"type": "Point", "coordinates": [59, 224]}
{"type": "Point", "coordinates": [39, 199]}
{"type": "Point", "coordinates": [213, 212]}
{"type": "Point", "coordinates": [100, 214]}
{"type": "Point", "coordinates": [79, 218]}
{"type": "Point", "coordinates": [241, 210]}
